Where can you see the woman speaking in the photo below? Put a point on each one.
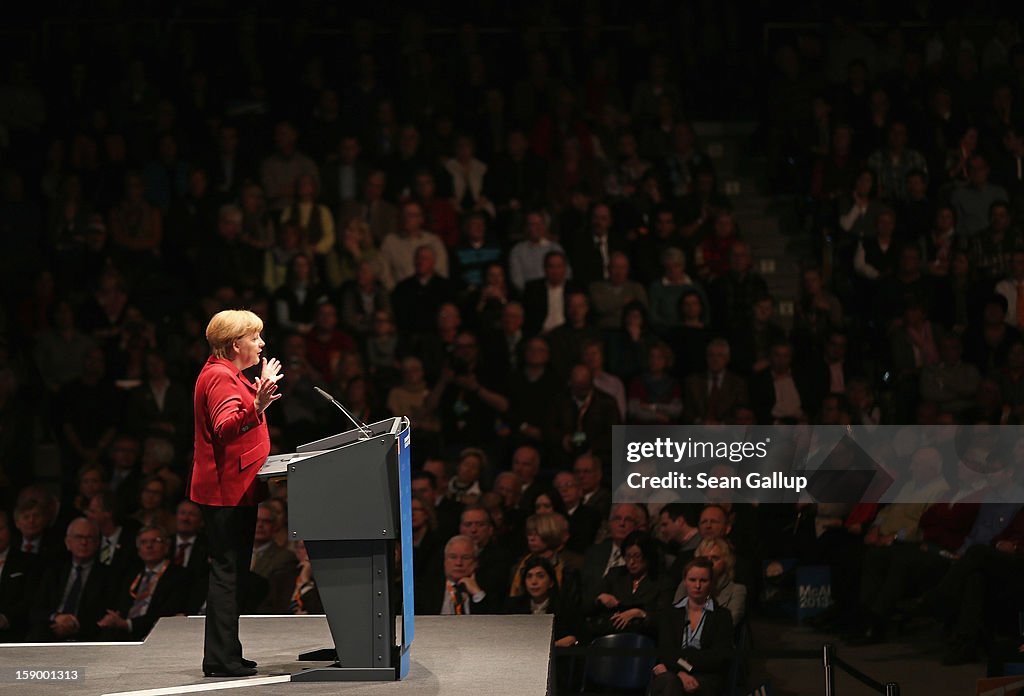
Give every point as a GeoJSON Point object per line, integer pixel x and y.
{"type": "Point", "coordinates": [231, 443]}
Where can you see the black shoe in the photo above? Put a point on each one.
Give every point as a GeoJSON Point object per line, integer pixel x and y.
{"type": "Point", "coordinates": [233, 672]}
{"type": "Point", "coordinates": [248, 663]}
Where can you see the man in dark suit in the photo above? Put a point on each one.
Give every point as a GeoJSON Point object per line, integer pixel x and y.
{"type": "Point", "coordinates": [584, 521]}
{"type": "Point", "coordinates": [17, 581]}
{"type": "Point", "coordinates": [600, 558]}
{"type": "Point", "coordinates": [566, 341]}
{"type": "Point", "coordinates": [544, 299]}
{"type": "Point", "coordinates": [72, 596]}
{"type": "Point", "coordinates": [505, 347]}
{"type": "Point", "coordinates": [709, 396]}
{"type": "Point", "coordinates": [230, 169]}
{"type": "Point", "coordinates": [591, 253]}
{"type": "Point", "coordinates": [417, 299]}
{"type": "Point", "coordinates": [343, 178]}
{"type": "Point", "coordinates": [777, 393]}
{"type": "Point", "coordinates": [588, 472]}
{"type": "Point", "coordinates": [32, 535]}
{"type": "Point", "coordinates": [582, 419]}
{"type": "Point", "coordinates": [732, 295]}
{"type": "Point", "coordinates": [451, 588]}
{"type": "Point", "coordinates": [158, 589]}
{"type": "Point", "coordinates": [425, 485]}
{"type": "Point", "coordinates": [117, 540]}
{"type": "Point", "coordinates": [828, 376]}
{"type": "Point", "coordinates": [493, 560]}
{"type": "Point", "coordinates": [190, 551]}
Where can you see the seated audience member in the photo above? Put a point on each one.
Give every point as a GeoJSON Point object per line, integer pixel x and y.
{"type": "Point", "coordinates": [418, 297]}
{"type": "Point", "coordinates": [950, 383]}
{"type": "Point", "coordinates": [33, 537]}
{"type": "Point", "coordinates": [542, 594]}
{"type": "Point", "coordinates": [467, 399]}
{"type": "Point", "coordinates": [527, 259]}
{"type": "Point", "coordinates": [72, 595]}
{"type": "Point", "coordinates": [268, 558]}
{"type": "Point", "coordinates": [546, 535]}
{"type": "Point", "coordinates": [777, 393]}
{"type": "Point", "coordinates": [293, 590]}
{"type": "Point", "coordinates": [493, 561]}
{"type": "Point", "coordinates": [582, 418]}
{"type": "Point", "coordinates": [728, 595]}
{"type": "Point", "coordinates": [464, 487]}
{"type": "Point", "coordinates": [526, 466]}
{"type": "Point", "coordinates": [609, 297]}
{"type": "Point", "coordinates": [630, 595]}
{"type": "Point", "coordinates": [588, 472]}
{"type": "Point", "coordinates": [398, 249]}
{"type": "Point", "coordinates": [18, 575]}
{"type": "Point", "coordinates": [655, 397]}
{"type": "Point", "coordinates": [695, 638]}
{"type": "Point", "coordinates": [664, 294]}
{"type": "Point", "coordinates": [159, 589]}
{"type": "Point", "coordinates": [679, 531]}
{"type": "Point", "coordinates": [117, 539]}
{"type": "Point", "coordinates": [426, 542]}
{"type": "Point", "coordinates": [545, 299]}
{"type": "Point", "coordinates": [567, 341]}
{"type": "Point", "coordinates": [584, 521]}
{"type": "Point", "coordinates": [600, 558]}
{"type": "Point", "coordinates": [593, 357]}
{"type": "Point", "coordinates": [530, 385]}
{"type": "Point", "coordinates": [709, 396]}
{"type": "Point", "coordinates": [453, 589]}
{"type": "Point", "coordinates": [690, 339]}
{"type": "Point", "coordinates": [628, 346]}
{"type": "Point", "coordinates": [430, 486]}
{"type": "Point", "coordinates": [190, 550]}
{"type": "Point", "coordinates": [152, 498]}
{"type": "Point", "coordinates": [91, 481]}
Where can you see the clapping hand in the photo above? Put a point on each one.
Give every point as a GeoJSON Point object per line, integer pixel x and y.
{"type": "Point", "coordinates": [266, 384]}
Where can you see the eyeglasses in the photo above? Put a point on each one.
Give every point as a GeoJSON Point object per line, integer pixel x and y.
{"type": "Point", "coordinates": [465, 558]}
{"type": "Point", "coordinates": [83, 537]}
{"type": "Point", "coordinates": [150, 542]}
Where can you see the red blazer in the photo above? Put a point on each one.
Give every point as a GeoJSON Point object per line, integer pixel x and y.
{"type": "Point", "coordinates": [231, 439]}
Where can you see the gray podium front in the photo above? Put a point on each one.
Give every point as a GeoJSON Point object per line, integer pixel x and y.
{"type": "Point", "coordinates": [349, 500]}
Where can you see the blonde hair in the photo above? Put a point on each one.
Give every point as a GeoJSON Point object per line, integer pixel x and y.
{"type": "Point", "coordinates": [551, 527]}
{"type": "Point", "coordinates": [728, 555]}
{"type": "Point", "coordinates": [228, 326]}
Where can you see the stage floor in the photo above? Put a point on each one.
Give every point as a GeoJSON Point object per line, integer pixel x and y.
{"type": "Point", "coordinates": [462, 656]}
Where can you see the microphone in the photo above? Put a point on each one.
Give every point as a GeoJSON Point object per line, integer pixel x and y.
{"type": "Point", "coordinates": [359, 424]}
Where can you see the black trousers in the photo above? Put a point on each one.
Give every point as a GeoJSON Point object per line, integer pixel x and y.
{"type": "Point", "coordinates": [230, 532]}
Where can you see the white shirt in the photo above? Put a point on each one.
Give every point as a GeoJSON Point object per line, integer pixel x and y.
{"type": "Point", "coordinates": [556, 307]}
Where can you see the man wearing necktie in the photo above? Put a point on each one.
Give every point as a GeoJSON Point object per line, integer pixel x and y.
{"type": "Point", "coordinates": [455, 591]}
{"type": "Point", "coordinates": [72, 596]}
{"type": "Point", "coordinates": [17, 581]}
{"type": "Point", "coordinates": [30, 519]}
{"type": "Point", "coordinates": [158, 589]}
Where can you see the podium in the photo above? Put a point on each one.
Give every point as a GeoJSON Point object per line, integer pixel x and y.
{"type": "Point", "coordinates": [349, 500]}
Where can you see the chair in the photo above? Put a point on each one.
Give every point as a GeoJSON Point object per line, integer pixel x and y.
{"type": "Point", "coordinates": [627, 672]}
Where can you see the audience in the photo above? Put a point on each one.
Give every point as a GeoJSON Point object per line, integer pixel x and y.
{"type": "Point", "coordinates": [519, 265]}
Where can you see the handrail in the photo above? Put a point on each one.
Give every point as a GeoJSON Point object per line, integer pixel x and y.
{"type": "Point", "coordinates": [831, 660]}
